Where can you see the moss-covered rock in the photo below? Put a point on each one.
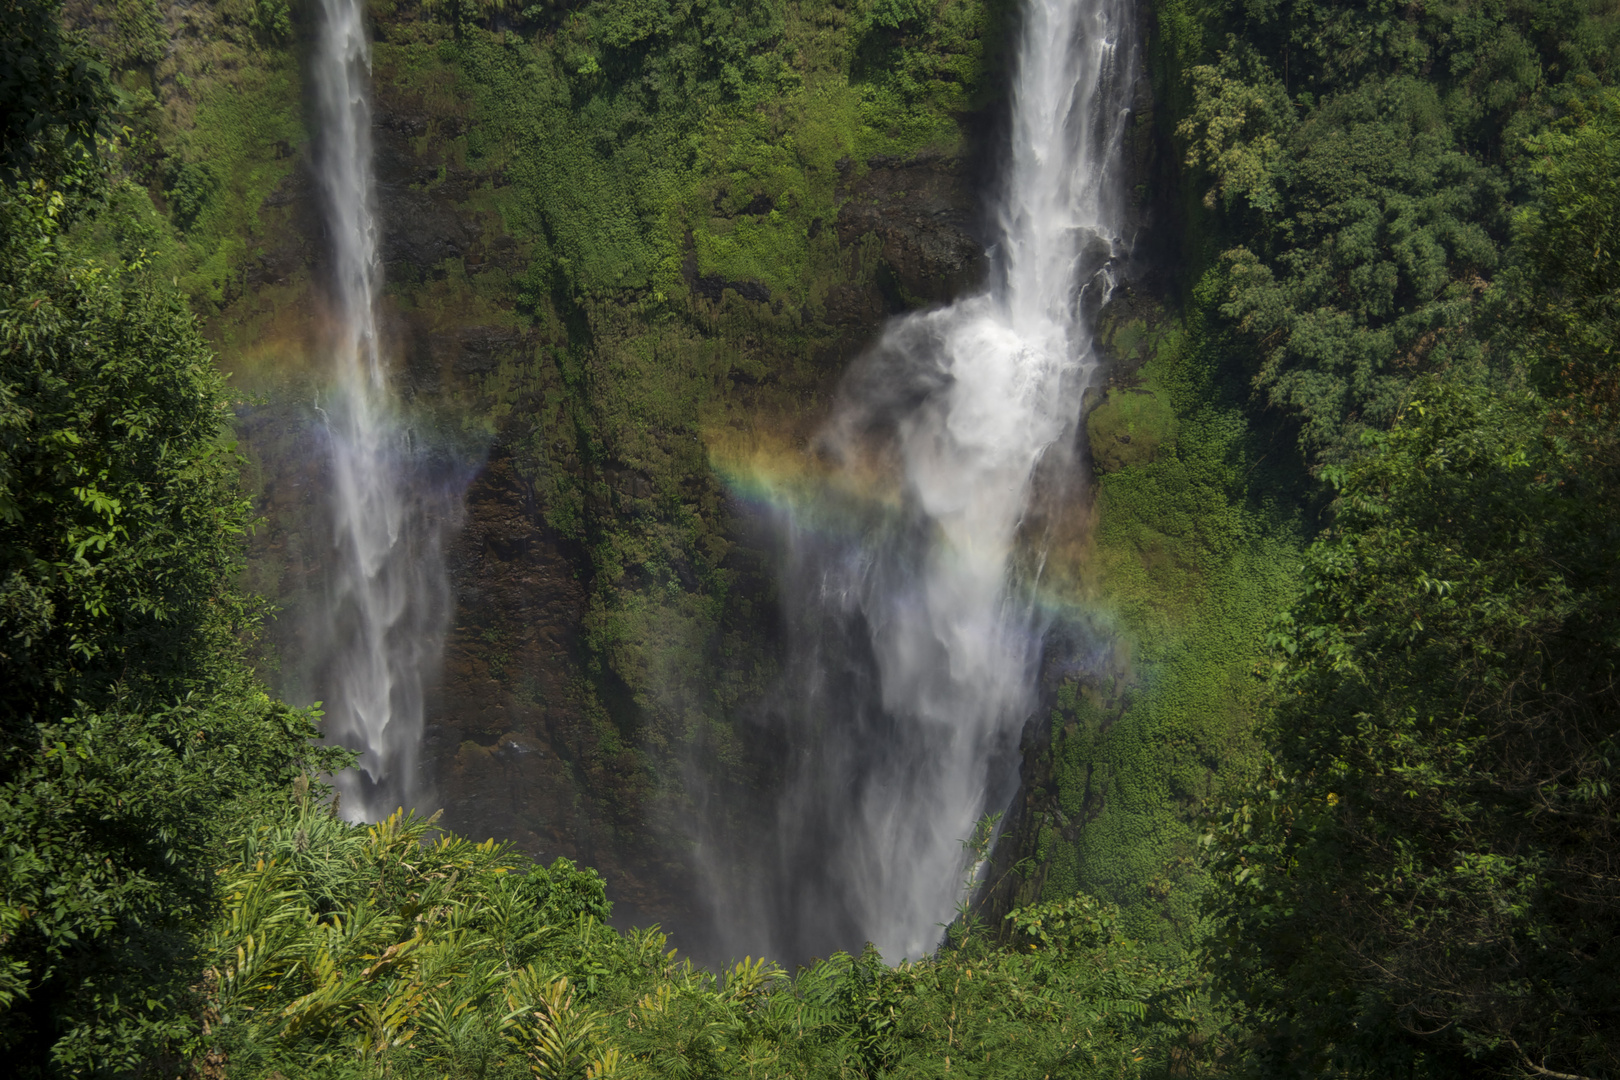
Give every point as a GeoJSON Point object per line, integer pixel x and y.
{"type": "Point", "coordinates": [1129, 427]}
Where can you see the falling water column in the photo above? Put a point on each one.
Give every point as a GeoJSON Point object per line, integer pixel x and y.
{"type": "Point", "coordinates": [916, 644]}
{"type": "Point", "coordinates": [387, 592]}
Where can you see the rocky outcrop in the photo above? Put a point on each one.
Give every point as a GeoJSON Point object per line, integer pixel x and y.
{"type": "Point", "coordinates": [926, 218]}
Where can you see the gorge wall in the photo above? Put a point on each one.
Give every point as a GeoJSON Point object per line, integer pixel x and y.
{"type": "Point", "coordinates": [629, 251]}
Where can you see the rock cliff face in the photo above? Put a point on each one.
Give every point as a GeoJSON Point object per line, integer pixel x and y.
{"type": "Point", "coordinates": [535, 731]}
{"type": "Point", "coordinates": [508, 718]}
{"type": "Point", "coordinates": [614, 267]}
{"type": "Point", "coordinates": [925, 212]}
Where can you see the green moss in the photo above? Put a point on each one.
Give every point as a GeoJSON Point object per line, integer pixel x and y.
{"type": "Point", "coordinates": [219, 123]}
{"type": "Point", "coordinates": [1060, 866]}
{"type": "Point", "coordinates": [1129, 428]}
{"type": "Point", "coordinates": [1191, 564]}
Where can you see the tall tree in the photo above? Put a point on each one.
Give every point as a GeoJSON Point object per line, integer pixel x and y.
{"type": "Point", "coordinates": [1428, 875]}
{"type": "Point", "coordinates": [1363, 160]}
{"type": "Point", "coordinates": [131, 729]}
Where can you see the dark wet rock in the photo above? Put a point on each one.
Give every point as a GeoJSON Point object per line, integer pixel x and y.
{"type": "Point", "coordinates": [923, 212]}
{"type": "Point", "coordinates": [419, 231]}
{"type": "Point", "coordinates": [409, 124]}
{"type": "Point", "coordinates": [847, 305]}
{"type": "Point", "coordinates": [480, 349]}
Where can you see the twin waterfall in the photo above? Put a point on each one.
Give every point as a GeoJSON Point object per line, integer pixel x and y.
{"type": "Point", "coordinates": [915, 641]}
{"type": "Point", "coordinates": [388, 596]}
{"type": "Point", "coordinates": [915, 638]}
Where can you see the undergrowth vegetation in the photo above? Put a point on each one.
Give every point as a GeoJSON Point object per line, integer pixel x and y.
{"type": "Point", "coordinates": [1196, 544]}
{"type": "Point", "coordinates": [394, 950]}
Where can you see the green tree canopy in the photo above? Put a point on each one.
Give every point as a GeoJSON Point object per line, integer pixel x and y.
{"type": "Point", "coordinates": [1364, 160]}
{"type": "Point", "coordinates": [1424, 876]}
{"type": "Point", "coordinates": [131, 731]}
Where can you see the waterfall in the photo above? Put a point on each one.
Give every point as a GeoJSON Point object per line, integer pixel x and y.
{"type": "Point", "coordinates": [915, 640]}
{"type": "Point", "coordinates": [388, 596]}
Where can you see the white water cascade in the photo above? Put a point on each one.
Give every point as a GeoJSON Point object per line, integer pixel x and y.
{"type": "Point", "coordinates": [916, 643]}
{"type": "Point", "coordinates": [388, 597]}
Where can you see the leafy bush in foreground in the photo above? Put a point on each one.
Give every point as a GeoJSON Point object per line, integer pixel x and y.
{"type": "Point", "coordinates": [347, 950]}
{"type": "Point", "coordinates": [130, 729]}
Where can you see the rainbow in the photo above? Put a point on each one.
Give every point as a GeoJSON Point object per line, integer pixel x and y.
{"type": "Point", "coordinates": [781, 476]}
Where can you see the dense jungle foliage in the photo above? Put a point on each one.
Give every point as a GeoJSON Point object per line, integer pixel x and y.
{"type": "Point", "coordinates": [1420, 877]}
{"type": "Point", "coordinates": [1393, 334]}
